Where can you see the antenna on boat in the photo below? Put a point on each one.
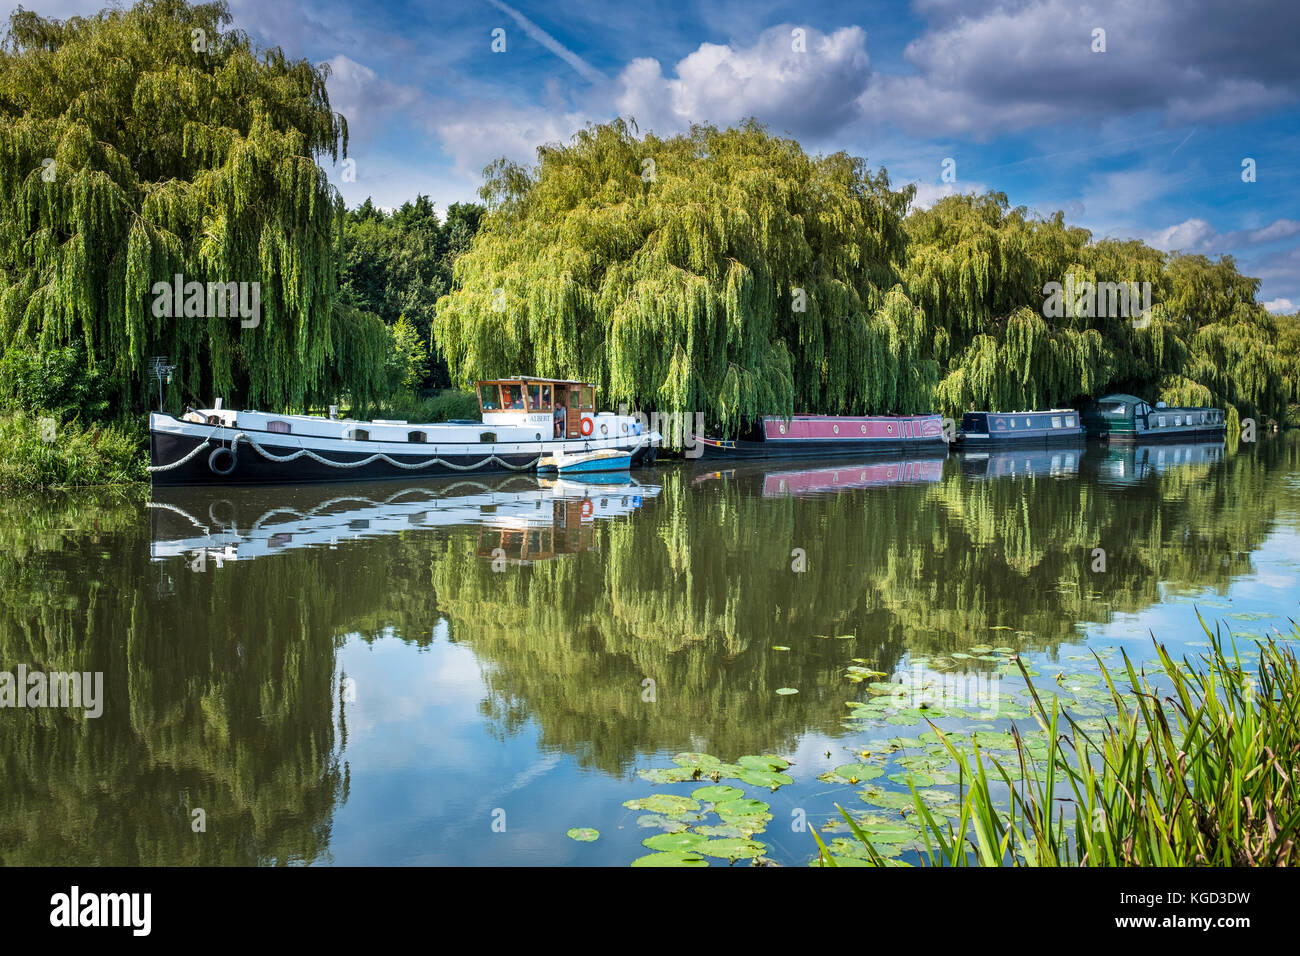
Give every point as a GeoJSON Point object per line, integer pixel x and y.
{"type": "Point", "coordinates": [160, 369]}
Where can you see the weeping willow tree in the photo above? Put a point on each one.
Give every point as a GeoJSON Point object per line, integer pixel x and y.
{"type": "Point", "coordinates": [140, 144]}
{"type": "Point", "coordinates": [1127, 317]}
{"type": "Point", "coordinates": [722, 271]}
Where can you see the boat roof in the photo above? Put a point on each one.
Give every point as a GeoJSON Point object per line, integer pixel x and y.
{"type": "Point", "coordinates": [541, 379]}
{"type": "Point", "coordinates": [1122, 397]}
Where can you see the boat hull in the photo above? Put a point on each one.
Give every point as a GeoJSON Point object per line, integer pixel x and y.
{"type": "Point", "coordinates": [823, 436]}
{"type": "Point", "coordinates": [343, 460]}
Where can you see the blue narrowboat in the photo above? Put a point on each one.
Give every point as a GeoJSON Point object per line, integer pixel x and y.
{"type": "Point", "coordinates": [1055, 426]}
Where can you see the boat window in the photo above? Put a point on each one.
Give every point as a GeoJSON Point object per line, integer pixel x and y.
{"type": "Point", "coordinates": [1056, 421]}
{"type": "Point", "coordinates": [539, 398]}
{"type": "Point", "coordinates": [487, 437]}
{"type": "Point", "coordinates": [546, 397]}
{"type": "Point", "coordinates": [1204, 418]}
{"type": "Point", "coordinates": [1161, 420]}
{"type": "Point", "coordinates": [1120, 409]}
{"type": "Point", "coordinates": [359, 434]}
{"type": "Point", "coordinates": [1028, 424]}
{"type": "Point", "coordinates": [279, 428]}
{"type": "Point", "coordinates": [512, 397]}
{"type": "Point", "coordinates": [418, 437]}
{"type": "Point", "coordinates": [1069, 421]}
{"type": "Point", "coordinates": [1178, 419]}
{"type": "Point", "coordinates": [588, 399]}
{"type": "Point", "coordinates": [489, 397]}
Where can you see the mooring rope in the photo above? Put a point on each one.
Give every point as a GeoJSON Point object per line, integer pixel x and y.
{"type": "Point", "coordinates": [378, 456]}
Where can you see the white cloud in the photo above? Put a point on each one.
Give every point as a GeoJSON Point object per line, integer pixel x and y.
{"type": "Point", "coordinates": [1197, 235]}
{"type": "Point", "coordinates": [808, 93]}
{"type": "Point", "coordinates": [1279, 306]}
{"type": "Point", "coordinates": [356, 91]}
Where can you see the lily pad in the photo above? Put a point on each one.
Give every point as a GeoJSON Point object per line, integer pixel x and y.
{"type": "Point", "coordinates": [671, 859]}
{"type": "Point", "coordinates": [765, 762]}
{"type": "Point", "coordinates": [731, 849]}
{"type": "Point", "coordinates": [766, 778]}
{"type": "Point", "coordinates": [696, 760]}
{"type": "Point", "coordinates": [718, 793]}
{"type": "Point", "coordinates": [684, 842]}
{"type": "Point", "coordinates": [663, 803]}
{"type": "Point", "coordinates": [584, 834]}
{"type": "Point", "coordinates": [667, 774]}
{"type": "Point", "coordinates": [740, 808]}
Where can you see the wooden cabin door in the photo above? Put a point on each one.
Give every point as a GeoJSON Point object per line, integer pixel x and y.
{"type": "Point", "coordinates": [573, 412]}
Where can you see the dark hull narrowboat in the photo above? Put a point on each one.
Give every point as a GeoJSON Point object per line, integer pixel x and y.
{"type": "Point", "coordinates": [989, 430]}
{"type": "Point", "coordinates": [826, 436]}
{"type": "Point", "coordinates": [1127, 418]}
{"type": "Point", "coordinates": [523, 421]}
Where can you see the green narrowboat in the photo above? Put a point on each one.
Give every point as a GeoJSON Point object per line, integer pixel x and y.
{"type": "Point", "coordinates": [1121, 417]}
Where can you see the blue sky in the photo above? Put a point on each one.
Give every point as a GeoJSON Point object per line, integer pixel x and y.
{"type": "Point", "coordinates": [1145, 139]}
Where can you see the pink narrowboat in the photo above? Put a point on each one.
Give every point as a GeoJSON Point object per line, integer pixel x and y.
{"type": "Point", "coordinates": [823, 436]}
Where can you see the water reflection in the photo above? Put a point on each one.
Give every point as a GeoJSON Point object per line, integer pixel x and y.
{"type": "Point", "coordinates": [224, 678]}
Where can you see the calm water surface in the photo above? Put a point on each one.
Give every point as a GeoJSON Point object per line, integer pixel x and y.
{"type": "Point", "coordinates": [457, 672]}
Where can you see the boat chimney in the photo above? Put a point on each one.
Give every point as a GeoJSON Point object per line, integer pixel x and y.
{"type": "Point", "coordinates": [218, 405]}
{"type": "Point", "coordinates": [334, 413]}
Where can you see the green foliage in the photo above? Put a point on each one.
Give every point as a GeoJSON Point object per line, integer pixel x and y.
{"type": "Point", "coordinates": [399, 264]}
{"type": "Point", "coordinates": [171, 156]}
{"type": "Point", "coordinates": [979, 269]}
{"type": "Point", "coordinates": [412, 354]}
{"type": "Point", "coordinates": [442, 406]}
{"type": "Point", "coordinates": [58, 382]}
{"type": "Point", "coordinates": [69, 455]}
{"type": "Point", "coordinates": [729, 272]}
{"type": "Point", "coordinates": [719, 271]}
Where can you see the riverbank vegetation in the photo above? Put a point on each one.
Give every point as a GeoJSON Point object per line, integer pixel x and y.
{"type": "Point", "coordinates": [1199, 767]}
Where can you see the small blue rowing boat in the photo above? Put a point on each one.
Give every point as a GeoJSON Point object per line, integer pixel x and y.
{"type": "Point", "coordinates": [583, 462]}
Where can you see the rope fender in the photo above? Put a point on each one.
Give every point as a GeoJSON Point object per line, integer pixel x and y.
{"type": "Point", "coordinates": [378, 456]}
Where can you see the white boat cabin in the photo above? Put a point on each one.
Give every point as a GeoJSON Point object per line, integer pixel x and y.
{"type": "Point", "coordinates": [567, 407]}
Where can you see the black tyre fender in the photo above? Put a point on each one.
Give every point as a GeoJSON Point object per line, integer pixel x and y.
{"type": "Point", "coordinates": [215, 458]}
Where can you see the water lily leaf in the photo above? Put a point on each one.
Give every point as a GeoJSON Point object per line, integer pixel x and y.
{"type": "Point", "coordinates": [765, 762]}
{"type": "Point", "coordinates": [731, 849]}
{"type": "Point", "coordinates": [667, 774]}
{"type": "Point", "coordinates": [717, 794]}
{"type": "Point", "coordinates": [671, 859]}
{"type": "Point", "coordinates": [727, 830]}
{"type": "Point", "coordinates": [696, 760]}
{"type": "Point", "coordinates": [852, 773]}
{"type": "Point", "coordinates": [889, 799]}
{"type": "Point", "coordinates": [765, 778]}
{"type": "Point", "coordinates": [666, 803]}
{"type": "Point", "coordinates": [740, 808]}
{"type": "Point", "coordinates": [920, 779]}
{"type": "Point", "coordinates": [583, 834]}
{"type": "Point", "coordinates": [684, 842]}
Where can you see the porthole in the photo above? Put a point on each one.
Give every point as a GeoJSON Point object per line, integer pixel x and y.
{"type": "Point", "coordinates": [1028, 424]}
{"type": "Point", "coordinates": [836, 429]}
{"type": "Point", "coordinates": [782, 427]}
{"type": "Point", "coordinates": [864, 429]}
{"type": "Point", "coordinates": [604, 429]}
{"type": "Point", "coordinates": [537, 437]}
{"type": "Point", "coordinates": [625, 428]}
{"type": "Point", "coordinates": [890, 428]}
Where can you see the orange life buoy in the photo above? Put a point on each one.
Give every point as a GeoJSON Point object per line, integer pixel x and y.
{"type": "Point", "coordinates": [586, 507]}
{"type": "Point", "coordinates": [586, 426]}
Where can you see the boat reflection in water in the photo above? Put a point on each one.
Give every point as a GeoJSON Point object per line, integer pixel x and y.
{"type": "Point", "coordinates": [1130, 463]}
{"type": "Point", "coordinates": [1022, 462]}
{"type": "Point", "coordinates": [815, 481]}
{"type": "Point", "coordinates": [521, 514]}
